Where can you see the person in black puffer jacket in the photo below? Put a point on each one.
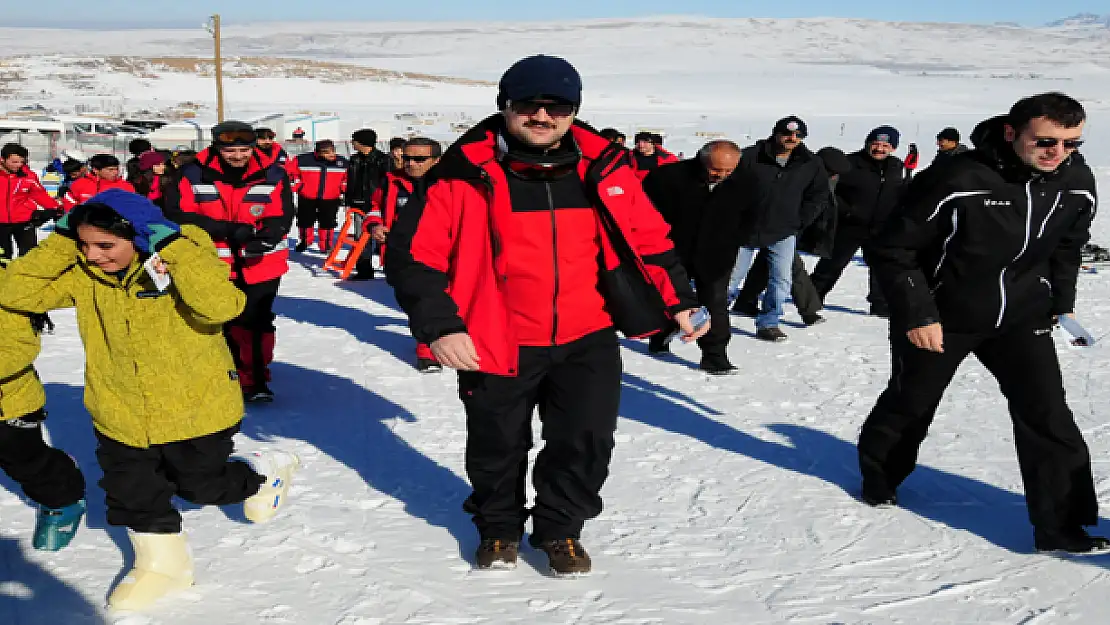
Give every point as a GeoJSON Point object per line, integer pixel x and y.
{"type": "Point", "coordinates": [866, 196]}
{"type": "Point", "coordinates": [982, 259]}
{"type": "Point", "coordinates": [365, 175]}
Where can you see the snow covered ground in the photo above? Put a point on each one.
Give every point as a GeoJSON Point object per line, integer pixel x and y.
{"type": "Point", "coordinates": [731, 500]}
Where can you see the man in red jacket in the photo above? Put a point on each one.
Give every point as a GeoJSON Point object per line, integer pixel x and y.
{"type": "Point", "coordinates": [533, 243]}
{"type": "Point", "coordinates": [649, 156]}
{"type": "Point", "coordinates": [321, 181]}
{"type": "Point", "coordinates": [419, 155]}
{"type": "Point", "coordinates": [243, 200]}
{"type": "Point", "coordinates": [24, 203]}
{"type": "Point", "coordinates": [103, 175]}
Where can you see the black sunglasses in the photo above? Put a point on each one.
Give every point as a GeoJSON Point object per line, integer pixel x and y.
{"type": "Point", "coordinates": [416, 159]}
{"type": "Point", "coordinates": [1050, 142]}
{"type": "Point", "coordinates": [554, 109]}
{"type": "Point", "coordinates": [793, 133]}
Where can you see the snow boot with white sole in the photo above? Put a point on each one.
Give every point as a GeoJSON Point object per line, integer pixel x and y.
{"type": "Point", "coordinates": [163, 564]}
{"type": "Point", "coordinates": [278, 468]}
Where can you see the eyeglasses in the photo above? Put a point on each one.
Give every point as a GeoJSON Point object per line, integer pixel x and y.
{"type": "Point", "coordinates": [793, 133]}
{"type": "Point", "coordinates": [1051, 142]}
{"type": "Point", "coordinates": [529, 108]}
{"type": "Point", "coordinates": [416, 159]}
{"type": "Point", "coordinates": [243, 137]}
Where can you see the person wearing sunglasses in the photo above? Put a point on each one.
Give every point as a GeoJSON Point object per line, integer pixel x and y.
{"type": "Point", "coordinates": [159, 381]}
{"type": "Point", "coordinates": [103, 175]}
{"type": "Point", "coordinates": [533, 243]}
{"type": "Point", "coordinates": [243, 200]}
{"type": "Point", "coordinates": [866, 196]}
{"type": "Point", "coordinates": [981, 258]}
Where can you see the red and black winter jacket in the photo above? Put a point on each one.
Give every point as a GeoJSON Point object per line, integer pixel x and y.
{"type": "Point", "coordinates": [275, 155]}
{"type": "Point", "coordinates": [317, 178]}
{"type": "Point", "coordinates": [221, 202]}
{"type": "Point", "coordinates": [21, 194]}
{"type": "Point", "coordinates": [84, 188]}
{"type": "Point", "coordinates": [644, 165]}
{"type": "Point", "coordinates": [387, 200]}
{"type": "Point", "coordinates": [514, 265]}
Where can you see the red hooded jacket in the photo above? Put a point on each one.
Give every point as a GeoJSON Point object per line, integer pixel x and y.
{"type": "Point", "coordinates": [455, 249]}
{"type": "Point", "coordinates": [21, 194]}
{"type": "Point", "coordinates": [84, 188]}
{"type": "Point", "coordinates": [318, 178]}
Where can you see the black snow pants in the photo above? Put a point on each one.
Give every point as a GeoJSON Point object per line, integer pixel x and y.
{"type": "Point", "coordinates": [1054, 460]}
{"type": "Point", "coordinates": [48, 476]}
{"type": "Point", "coordinates": [577, 389]}
{"type": "Point", "coordinates": [22, 235]}
{"type": "Point", "coordinates": [828, 270]}
{"type": "Point", "coordinates": [139, 484]}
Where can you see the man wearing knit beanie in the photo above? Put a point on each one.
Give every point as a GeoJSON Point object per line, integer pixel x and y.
{"type": "Point", "coordinates": [866, 196]}
{"type": "Point", "coordinates": [365, 175]}
{"type": "Point", "coordinates": [948, 145]}
{"type": "Point", "coordinates": [533, 243]}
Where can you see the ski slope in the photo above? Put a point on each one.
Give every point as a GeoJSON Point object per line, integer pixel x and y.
{"type": "Point", "coordinates": [731, 500]}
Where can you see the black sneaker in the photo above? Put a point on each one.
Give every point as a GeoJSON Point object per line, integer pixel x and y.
{"type": "Point", "coordinates": [747, 309]}
{"type": "Point", "coordinates": [812, 320]}
{"type": "Point", "coordinates": [427, 365]}
{"type": "Point", "coordinates": [258, 394]}
{"type": "Point", "coordinates": [658, 345]}
{"type": "Point", "coordinates": [716, 366]}
{"type": "Point", "coordinates": [302, 245]}
{"type": "Point", "coordinates": [497, 553]}
{"type": "Point", "coordinates": [877, 499]}
{"type": "Point", "coordinates": [1075, 541]}
{"type": "Point", "coordinates": [566, 556]}
{"type": "Point", "coordinates": [880, 311]}
{"type": "Point", "coordinates": [772, 334]}
{"type": "Point", "coordinates": [361, 275]}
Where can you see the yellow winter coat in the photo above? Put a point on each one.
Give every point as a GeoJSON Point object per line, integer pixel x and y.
{"type": "Point", "coordinates": [157, 369]}
{"type": "Point", "coordinates": [21, 391]}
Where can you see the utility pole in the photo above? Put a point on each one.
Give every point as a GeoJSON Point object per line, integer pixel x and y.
{"type": "Point", "coordinates": [213, 26]}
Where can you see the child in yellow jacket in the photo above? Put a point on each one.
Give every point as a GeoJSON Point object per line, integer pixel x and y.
{"type": "Point", "coordinates": [160, 382]}
{"type": "Point", "coordinates": [48, 476]}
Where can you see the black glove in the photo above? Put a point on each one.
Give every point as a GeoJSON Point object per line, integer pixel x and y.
{"type": "Point", "coordinates": [41, 216]}
{"type": "Point", "coordinates": [42, 324]}
{"type": "Point", "coordinates": [265, 239]}
{"type": "Point", "coordinates": [238, 234]}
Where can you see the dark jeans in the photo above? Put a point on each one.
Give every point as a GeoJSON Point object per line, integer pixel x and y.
{"type": "Point", "coordinates": [310, 212]}
{"type": "Point", "coordinates": [828, 270]}
{"type": "Point", "coordinates": [48, 476]}
{"type": "Point", "coordinates": [139, 484]}
{"type": "Point", "coordinates": [577, 389]}
{"type": "Point", "coordinates": [1055, 464]}
{"type": "Point", "coordinates": [802, 291]}
{"type": "Point", "coordinates": [12, 235]}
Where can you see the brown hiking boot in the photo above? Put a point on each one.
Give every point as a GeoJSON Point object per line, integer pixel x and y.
{"type": "Point", "coordinates": [497, 553]}
{"type": "Point", "coordinates": [566, 556]}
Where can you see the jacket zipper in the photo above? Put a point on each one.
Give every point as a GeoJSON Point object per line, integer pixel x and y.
{"type": "Point", "coordinates": [323, 177]}
{"type": "Point", "coordinates": [1025, 246]}
{"type": "Point", "coordinates": [555, 258]}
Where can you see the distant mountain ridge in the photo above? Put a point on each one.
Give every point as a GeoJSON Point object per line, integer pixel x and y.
{"type": "Point", "coordinates": [1082, 19]}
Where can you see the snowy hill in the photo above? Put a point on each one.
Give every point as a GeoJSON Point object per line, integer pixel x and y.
{"type": "Point", "coordinates": [1081, 20]}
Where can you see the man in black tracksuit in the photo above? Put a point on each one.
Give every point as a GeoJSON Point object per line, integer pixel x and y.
{"type": "Point", "coordinates": [366, 170]}
{"type": "Point", "coordinates": [683, 193]}
{"type": "Point", "coordinates": [817, 239]}
{"type": "Point", "coordinates": [785, 188]}
{"type": "Point", "coordinates": [866, 196]}
{"type": "Point", "coordinates": [980, 260]}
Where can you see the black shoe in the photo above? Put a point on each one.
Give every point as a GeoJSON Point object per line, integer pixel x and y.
{"type": "Point", "coordinates": [877, 499]}
{"type": "Point", "coordinates": [748, 309]}
{"type": "Point", "coordinates": [812, 320]}
{"type": "Point", "coordinates": [361, 276]}
{"type": "Point", "coordinates": [717, 366]}
{"type": "Point", "coordinates": [658, 346]}
{"type": "Point", "coordinates": [302, 245]}
{"type": "Point", "coordinates": [880, 311]}
{"type": "Point", "coordinates": [1075, 540]}
{"type": "Point", "coordinates": [566, 556]}
{"type": "Point", "coordinates": [497, 553]}
{"type": "Point", "coordinates": [772, 334]}
{"type": "Point", "coordinates": [258, 394]}
{"type": "Point", "coordinates": [427, 365]}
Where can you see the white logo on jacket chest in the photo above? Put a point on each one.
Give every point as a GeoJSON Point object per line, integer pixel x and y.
{"type": "Point", "coordinates": [401, 201]}
{"type": "Point", "coordinates": [997, 203]}
{"type": "Point", "coordinates": [612, 191]}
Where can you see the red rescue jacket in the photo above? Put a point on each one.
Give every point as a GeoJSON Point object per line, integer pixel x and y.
{"type": "Point", "coordinates": [84, 188]}
{"type": "Point", "coordinates": [319, 179]}
{"type": "Point", "coordinates": [453, 248]}
{"type": "Point", "coordinates": [206, 197]}
{"type": "Point", "coordinates": [383, 204]}
{"type": "Point", "coordinates": [662, 157]}
{"type": "Point", "coordinates": [21, 194]}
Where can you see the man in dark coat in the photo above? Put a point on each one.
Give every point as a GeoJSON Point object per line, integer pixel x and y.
{"type": "Point", "coordinates": [785, 188]}
{"type": "Point", "coordinates": [948, 145]}
{"type": "Point", "coordinates": [817, 239]}
{"type": "Point", "coordinates": [365, 175]}
{"type": "Point", "coordinates": [683, 193]}
{"type": "Point", "coordinates": [1022, 203]}
{"type": "Point", "coordinates": [866, 196]}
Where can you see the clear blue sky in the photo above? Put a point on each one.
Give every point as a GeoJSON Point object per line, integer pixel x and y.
{"type": "Point", "coordinates": [73, 13]}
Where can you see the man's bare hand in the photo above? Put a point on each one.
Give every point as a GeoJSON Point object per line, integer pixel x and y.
{"type": "Point", "coordinates": [378, 233]}
{"type": "Point", "coordinates": [688, 333]}
{"type": "Point", "coordinates": [930, 338]}
{"type": "Point", "coordinates": [456, 351]}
